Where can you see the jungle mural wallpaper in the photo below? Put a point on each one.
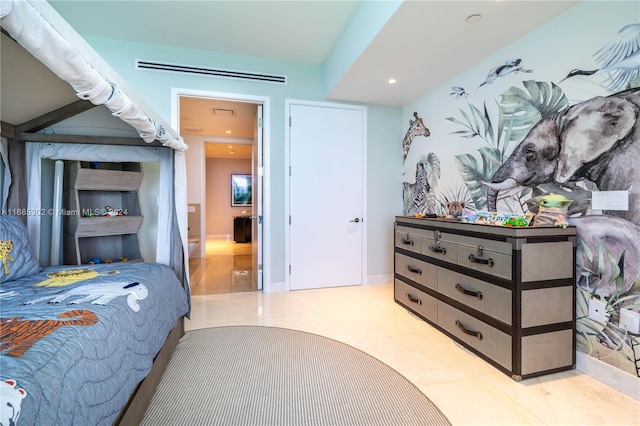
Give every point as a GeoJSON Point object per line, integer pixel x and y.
{"type": "Point", "coordinates": [533, 139]}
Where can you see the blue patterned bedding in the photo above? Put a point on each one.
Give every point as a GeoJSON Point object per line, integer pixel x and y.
{"type": "Point", "coordinates": [75, 344]}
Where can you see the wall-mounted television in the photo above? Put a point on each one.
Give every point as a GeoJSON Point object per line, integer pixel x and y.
{"type": "Point", "coordinates": [240, 190]}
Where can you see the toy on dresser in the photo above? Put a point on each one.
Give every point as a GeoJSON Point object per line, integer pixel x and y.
{"type": "Point", "coordinates": [552, 210]}
{"type": "Point", "coordinates": [455, 209]}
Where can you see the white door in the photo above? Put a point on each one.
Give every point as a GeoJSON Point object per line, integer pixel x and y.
{"type": "Point", "coordinates": [326, 195]}
{"type": "Point", "coordinates": [256, 202]}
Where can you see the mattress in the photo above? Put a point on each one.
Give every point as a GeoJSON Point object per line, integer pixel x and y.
{"type": "Point", "coordinates": [77, 341]}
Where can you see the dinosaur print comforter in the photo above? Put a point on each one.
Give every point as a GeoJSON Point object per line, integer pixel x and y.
{"type": "Point", "coordinates": [76, 341]}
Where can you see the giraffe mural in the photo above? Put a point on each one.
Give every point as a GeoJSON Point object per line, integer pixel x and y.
{"type": "Point", "coordinates": [416, 128]}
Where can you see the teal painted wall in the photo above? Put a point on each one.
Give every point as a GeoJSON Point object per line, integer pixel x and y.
{"type": "Point", "coordinates": [305, 82]}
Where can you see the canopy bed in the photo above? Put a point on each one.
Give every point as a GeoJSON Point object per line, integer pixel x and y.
{"type": "Point", "coordinates": [83, 344]}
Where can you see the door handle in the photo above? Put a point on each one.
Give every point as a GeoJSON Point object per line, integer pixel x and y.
{"type": "Point", "coordinates": [356, 220]}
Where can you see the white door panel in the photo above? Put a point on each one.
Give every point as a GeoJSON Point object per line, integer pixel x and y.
{"type": "Point", "coordinates": [326, 196]}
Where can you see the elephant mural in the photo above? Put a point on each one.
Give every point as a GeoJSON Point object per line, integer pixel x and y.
{"type": "Point", "coordinates": [617, 268]}
{"type": "Point", "coordinates": [598, 140]}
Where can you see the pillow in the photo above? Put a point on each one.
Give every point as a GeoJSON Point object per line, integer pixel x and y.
{"type": "Point", "coordinates": [17, 259]}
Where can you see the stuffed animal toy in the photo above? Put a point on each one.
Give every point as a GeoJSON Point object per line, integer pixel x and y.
{"type": "Point", "coordinates": [552, 211]}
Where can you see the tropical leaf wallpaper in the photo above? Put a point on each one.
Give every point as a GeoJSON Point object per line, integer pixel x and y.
{"type": "Point", "coordinates": [566, 123]}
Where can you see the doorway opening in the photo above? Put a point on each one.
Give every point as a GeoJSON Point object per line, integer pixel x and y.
{"type": "Point", "coordinates": [228, 147]}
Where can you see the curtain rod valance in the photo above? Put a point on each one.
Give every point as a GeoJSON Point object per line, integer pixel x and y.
{"type": "Point", "coordinates": [24, 22]}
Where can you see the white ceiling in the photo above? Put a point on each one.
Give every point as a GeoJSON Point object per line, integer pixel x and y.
{"type": "Point", "coordinates": [425, 43]}
{"type": "Point", "coordinates": [422, 45]}
{"type": "Point", "coordinates": [213, 117]}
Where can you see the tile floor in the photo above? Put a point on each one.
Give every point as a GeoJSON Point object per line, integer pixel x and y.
{"type": "Point", "coordinates": [226, 268]}
{"type": "Point", "coordinates": [468, 390]}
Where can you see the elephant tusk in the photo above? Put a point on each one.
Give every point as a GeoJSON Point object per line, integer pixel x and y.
{"type": "Point", "coordinates": [511, 192]}
{"type": "Point", "coordinates": [505, 185]}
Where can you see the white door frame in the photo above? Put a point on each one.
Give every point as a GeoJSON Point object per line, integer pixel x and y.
{"type": "Point", "coordinates": [287, 179]}
{"type": "Point", "coordinates": [176, 93]}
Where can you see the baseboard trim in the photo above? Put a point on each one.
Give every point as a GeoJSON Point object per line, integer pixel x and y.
{"type": "Point", "coordinates": [275, 287]}
{"type": "Point", "coordinates": [379, 279]}
{"type": "Point", "coordinates": [219, 236]}
{"type": "Point", "coordinates": [609, 375]}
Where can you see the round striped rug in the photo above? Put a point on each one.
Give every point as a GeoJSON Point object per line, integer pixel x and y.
{"type": "Point", "coordinates": [249, 375]}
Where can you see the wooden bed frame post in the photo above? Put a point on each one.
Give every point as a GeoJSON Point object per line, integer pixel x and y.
{"type": "Point", "coordinates": [17, 167]}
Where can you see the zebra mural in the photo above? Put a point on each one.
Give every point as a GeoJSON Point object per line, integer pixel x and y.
{"type": "Point", "coordinates": [419, 197]}
{"type": "Point", "coordinates": [416, 128]}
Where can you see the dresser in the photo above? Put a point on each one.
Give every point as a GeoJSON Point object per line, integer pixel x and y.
{"type": "Point", "coordinates": [506, 294]}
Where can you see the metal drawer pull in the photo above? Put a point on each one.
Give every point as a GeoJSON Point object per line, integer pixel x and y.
{"type": "Point", "coordinates": [476, 334]}
{"type": "Point", "coordinates": [414, 270]}
{"type": "Point", "coordinates": [438, 249]}
{"type": "Point", "coordinates": [463, 290]}
{"type": "Point", "coordinates": [413, 299]}
{"type": "Point", "coordinates": [407, 241]}
{"type": "Point", "coordinates": [474, 259]}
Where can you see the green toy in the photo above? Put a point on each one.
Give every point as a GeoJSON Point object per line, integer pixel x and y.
{"type": "Point", "coordinates": [552, 211]}
{"type": "Point", "coordinates": [516, 221]}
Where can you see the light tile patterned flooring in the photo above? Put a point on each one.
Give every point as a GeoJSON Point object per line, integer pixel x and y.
{"type": "Point", "coordinates": [225, 269]}
{"type": "Point", "coordinates": [467, 389]}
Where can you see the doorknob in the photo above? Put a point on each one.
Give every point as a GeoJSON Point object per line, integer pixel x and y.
{"type": "Point", "coordinates": [356, 220]}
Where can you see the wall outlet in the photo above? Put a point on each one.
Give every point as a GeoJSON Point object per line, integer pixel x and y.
{"type": "Point", "coordinates": [597, 310]}
{"type": "Point", "coordinates": [630, 321]}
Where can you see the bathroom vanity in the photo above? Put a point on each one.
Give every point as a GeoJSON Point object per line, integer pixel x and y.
{"type": "Point", "coordinates": [242, 229]}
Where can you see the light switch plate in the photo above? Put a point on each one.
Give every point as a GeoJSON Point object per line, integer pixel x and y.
{"type": "Point", "coordinates": [597, 310]}
{"type": "Point", "coordinates": [630, 321]}
{"type": "Point", "coordinates": [610, 200]}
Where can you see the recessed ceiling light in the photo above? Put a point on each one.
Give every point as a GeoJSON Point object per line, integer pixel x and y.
{"type": "Point", "coordinates": [230, 146]}
{"type": "Point", "coordinates": [472, 19]}
{"type": "Point", "coordinates": [392, 81]}
{"type": "Point", "coordinates": [228, 132]}
{"type": "Point", "coordinates": [232, 152]}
